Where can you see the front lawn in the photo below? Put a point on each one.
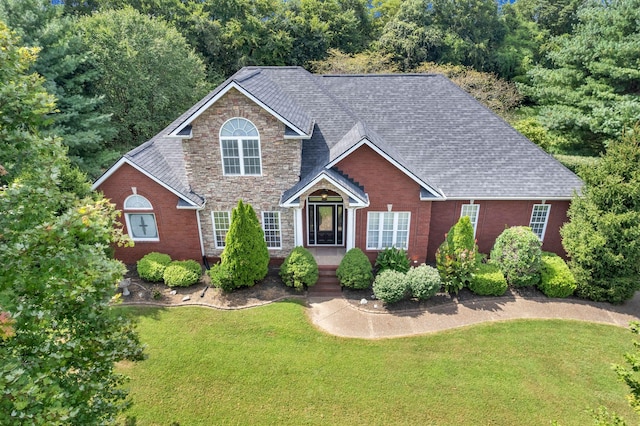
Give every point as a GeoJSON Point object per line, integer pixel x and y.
{"type": "Point", "coordinates": [268, 365]}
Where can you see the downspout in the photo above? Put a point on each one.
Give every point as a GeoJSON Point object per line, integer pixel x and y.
{"type": "Point", "coordinates": [205, 262]}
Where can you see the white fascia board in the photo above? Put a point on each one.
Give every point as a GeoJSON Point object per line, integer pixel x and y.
{"type": "Point", "coordinates": [324, 176]}
{"type": "Point", "coordinates": [384, 155]}
{"type": "Point", "coordinates": [221, 93]}
{"type": "Point", "coordinates": [124, 160]}
{"type": "Point", "coordinates": [506, 199]}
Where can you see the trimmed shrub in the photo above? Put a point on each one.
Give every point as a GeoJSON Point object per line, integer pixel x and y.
{"type": "Point", "coordinates": [245, 255]}
{"type": "Point", "coordinates": [221, 277]}
{"type": "Point", "coordinates": [423, 282]}
{"type": "Point", "coordinates": [390, 286]}
{"type": "Point", "coordinates": [151, 267]}
{"type": "Point", "coordinates": [457, 257]}
{"type": "Point", "coordinates": [299, 269]}
{"type": "Point", "coordinates": [182, 273]}
{"type": "Point", "coordinates": [517, 251]}
{"type": "Point", "coordinates": [488, 280]}
{"type": "Point", "coordinates": [556, 278]}
{"type": "Point", "coordinates": [355, 270]}
{"type": "Point", "coordinates": [394, 259]}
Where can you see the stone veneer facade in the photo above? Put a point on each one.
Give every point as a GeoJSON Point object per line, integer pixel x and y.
{"type": "Point", "coordinates": [281, 160]}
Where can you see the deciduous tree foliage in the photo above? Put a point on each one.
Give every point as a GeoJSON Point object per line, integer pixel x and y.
{"type": "Point", "coordinates": [591, 90]}
{"type": "Point", "coordinates": [60, 337]}
{"type": "Point", "coordinates": [602, 237]}
{"type": "Point", "coordinates": [148, 72]}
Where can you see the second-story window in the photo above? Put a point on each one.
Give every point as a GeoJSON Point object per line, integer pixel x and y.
{"type": "Point", "coordinates": [240, 148]}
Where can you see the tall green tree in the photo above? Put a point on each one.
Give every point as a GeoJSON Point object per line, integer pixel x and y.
{"type": "Point", "coordinates": [148, 73]}
{"type": "Point", "coordinates": [444, 31]}
{"type": "Point", "coordinates": [60, 336]}
{"type": "Point", "coordinates": [602, 237]}
{"type": "Point", "coordinates": [591, 90]}
{"type": "Point", "coordinates": [69, 72]}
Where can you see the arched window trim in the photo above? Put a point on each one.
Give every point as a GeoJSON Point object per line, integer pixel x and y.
{"type": "Point", "coordinates": [241, 153]}
{"type": "Point", "coordinates": [135, 217]}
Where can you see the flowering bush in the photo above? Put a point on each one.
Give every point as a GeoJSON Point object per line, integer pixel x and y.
{"type": "Point", "coordinates": [517, 251]}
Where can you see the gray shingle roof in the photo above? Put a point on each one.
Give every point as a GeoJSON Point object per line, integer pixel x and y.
{"type": "Point", "coordinates": [427, 124]}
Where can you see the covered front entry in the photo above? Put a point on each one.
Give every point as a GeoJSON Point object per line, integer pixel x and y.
{"type": "Point", "coordinates": [325, 219]}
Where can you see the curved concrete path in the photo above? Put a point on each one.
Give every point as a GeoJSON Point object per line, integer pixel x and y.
{"type": "Point", "coordinates": [339, 317]}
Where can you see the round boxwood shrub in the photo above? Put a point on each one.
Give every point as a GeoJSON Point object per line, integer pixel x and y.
{"type": "Point", "coordinates": [423, 282]}
{"type": "Point", "coordinates": [299, 269]}
{"type": "Point", "coordinates": [556, 277]}
{"type": "Point", "coordinates": [518, 254]}
{"type": "Point", "coordinates": [151, 267]}
{"type": "Point", "coordinates": [182, 273]}
{"type": "Point", "coordinates": [488, 280]}
{"type": "Point", "coordinates": [221, 277]}
{"type": "Point", "coordinates": [390, 286]}
{"type": "Point", "coordinates": [355, 270]}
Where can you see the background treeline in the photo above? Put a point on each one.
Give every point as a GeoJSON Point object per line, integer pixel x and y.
{"type": "Point", "coordinates": [566, 73]}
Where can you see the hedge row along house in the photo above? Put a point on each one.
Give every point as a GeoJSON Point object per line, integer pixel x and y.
{"type": "Point", "coordinates": [335, 162]}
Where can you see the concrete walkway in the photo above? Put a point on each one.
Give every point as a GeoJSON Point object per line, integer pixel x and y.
{"type": "Point", "coordinates": [338, 317]}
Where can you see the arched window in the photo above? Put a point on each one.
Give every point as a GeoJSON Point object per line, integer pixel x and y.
{"type": "Point", "coordinates": [240, 148]}
{"type": "Point", "coordinates": [140, 219]}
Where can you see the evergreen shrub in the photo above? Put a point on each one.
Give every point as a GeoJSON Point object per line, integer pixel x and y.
{"type": "Point", "coordinates": [488, 280]}
{"type": "Point", "coordinates": [151, 267]}
{"type": "Point", "coordinates": [517, 251]}
{"type": "Point", "coordinates": [355, 270]}
{"type": "Point", "coordinates": [394, 259]}
{"type": "Point", "coordinates": [245, 255]}
{"type": "Point", "coordinates": [557, 280]}
{"type": "Point", "coordinates": [423, 282]}
{"type": "Point", "coordinates": [182, 273]}
{"type": "Point", "coordinates": [221, 277]}
{"type": "Point", "coordinates": [390, 286]}
{"type": "Point", "coordinates": [299, 269]}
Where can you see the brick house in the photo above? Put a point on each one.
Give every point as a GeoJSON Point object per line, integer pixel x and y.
{"type": "Point", "coordinates": [341, 161]}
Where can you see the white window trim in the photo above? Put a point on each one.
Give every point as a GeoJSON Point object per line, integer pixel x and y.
{"type": "Point", "coordinates": [238, 141]}
{"type": "Point", "coordinates": [130, 232]}
{"type": "Point", "coordinates": [546, 219]}
{"type": "Point", "coordinates": [474, 223]}
{"type": "Point", "coordinates": [213, 223]}
{"type": "Point", "coordinates": [279, 214]}
{"type": "Point", "coordinates": [396, 216]}
{"type": "Point", "coordinates": [124, 205]}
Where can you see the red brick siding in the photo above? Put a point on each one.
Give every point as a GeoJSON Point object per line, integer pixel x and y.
{"type": "Point", "coordinates": [493, 218]}
{"type": "Point", "coordinates": [386, 184]}
{"type": "Point", "coordinates": [177, 229]}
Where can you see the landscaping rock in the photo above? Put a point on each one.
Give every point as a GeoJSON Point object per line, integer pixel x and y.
{"type": "Point", "coordinates": [184, 299]}
{"type": "Point", "coordinates": [363, 301]}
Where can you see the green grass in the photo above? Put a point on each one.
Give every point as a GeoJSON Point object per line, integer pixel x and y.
{"type": "Point", "coordinates": [268, 365]}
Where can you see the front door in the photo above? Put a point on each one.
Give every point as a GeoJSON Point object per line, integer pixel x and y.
{"type": "Point", "coordinates": [326, 224]}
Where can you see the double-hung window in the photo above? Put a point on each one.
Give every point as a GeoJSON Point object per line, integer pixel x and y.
{"type": "Point", "coordinates": [388, 229]}
{"type": "Point", "coordinates": [140, 219]}
{"type": "Point", "coordinates": [240, 148]}
{"type": "Point", "coordinates": [271, 227]}
{"type": "Point", "coordinates": [539, 219]}
{"type": "Point", "coordinates": [472, 211]}
{"type": "Point", "coordinates": [221, 221]}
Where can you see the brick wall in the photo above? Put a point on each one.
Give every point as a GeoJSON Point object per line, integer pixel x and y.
{"type": "Point", "coordinates": [493, 218]}
{"type": "Point", "coordinates": [280, 167]}
{"type": "Point", "coordinates": [386, 184]}
{"type": "Point", "coordinates": [177, 229]}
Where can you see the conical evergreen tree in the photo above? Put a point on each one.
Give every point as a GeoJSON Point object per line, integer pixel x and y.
{"type": "Point", "coordinates": [245, 255]}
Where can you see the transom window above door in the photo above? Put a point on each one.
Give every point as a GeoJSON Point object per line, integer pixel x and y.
{"type": "Point", "coordinates": [240, 148]}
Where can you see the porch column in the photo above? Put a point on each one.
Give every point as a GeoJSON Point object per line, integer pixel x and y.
{"type": "Point", "coordinates": [351, 228]}
{"type": "Point", "coordinates": [298, 228]}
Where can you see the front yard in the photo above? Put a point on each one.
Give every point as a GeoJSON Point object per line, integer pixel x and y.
{"type": "Point", "coordinates": [268, 365]}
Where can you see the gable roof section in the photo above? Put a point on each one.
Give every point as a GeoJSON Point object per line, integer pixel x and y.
{"type": "Point", "coordinates": [356, 194]}
{"type": "Point", "coordinates": [255, 85]}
